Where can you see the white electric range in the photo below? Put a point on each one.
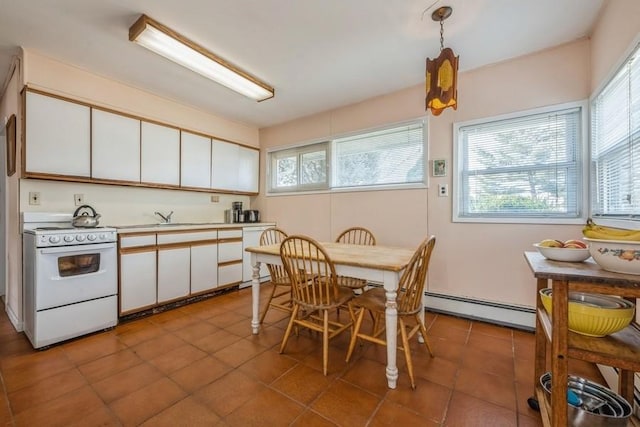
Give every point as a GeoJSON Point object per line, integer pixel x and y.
{"type": "Point", "coordinates": [70, 278]}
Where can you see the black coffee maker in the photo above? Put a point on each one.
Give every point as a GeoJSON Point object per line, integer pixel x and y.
{"type": "Point", "coordinates": [235, 214]}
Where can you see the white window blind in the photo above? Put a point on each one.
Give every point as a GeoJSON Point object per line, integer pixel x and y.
{"type": "Point", "coordinates": [388, 156]}
{"type": "Point", "coordinates": [391, 156]}
{"type": "Point", "coordinates": [527, 166]}
{"type": "Point", "coordinates": [615, 144]}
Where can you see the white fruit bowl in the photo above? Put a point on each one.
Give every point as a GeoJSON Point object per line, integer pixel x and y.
{"type": "Point", "coordinates": [563, 254]}
{"type": "Point", "coordinates": [619, 256]}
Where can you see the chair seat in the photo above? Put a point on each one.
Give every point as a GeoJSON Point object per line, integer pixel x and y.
{"type": "Point", "coordinates": [375, 300]}
{"type": "Point", "coordinates": [372, 300]}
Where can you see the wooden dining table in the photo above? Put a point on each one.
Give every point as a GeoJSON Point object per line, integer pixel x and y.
{"type": "Point", "coordinates": [381, 264]}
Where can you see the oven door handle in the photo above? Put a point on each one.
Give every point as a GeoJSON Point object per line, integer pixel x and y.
{"type": "Point", "coordinates": [79, 248]}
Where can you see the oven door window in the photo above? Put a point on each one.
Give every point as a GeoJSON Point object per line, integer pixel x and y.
{"type": "Point", "coordinates": [77, 265]}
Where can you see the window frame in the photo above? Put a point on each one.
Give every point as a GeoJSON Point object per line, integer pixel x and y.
{"type": "Point", "coordinates": [582, 193]}
{"type": "Point", "coordinates": [622, 221]}
{"type": "Point", "coordinates": [331, 159]}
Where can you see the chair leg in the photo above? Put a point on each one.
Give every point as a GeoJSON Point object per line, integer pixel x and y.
{"type": "Point", "coordinates": [407, 351]}
{"type": "Point", "coordinates": [268, 304]}
{"type": "Point", "coordinates": [354, 334]}
{"type": "Point", "coordinates": [294, 313]}
{"type": "Point", "coordinates": [423, 331]}
{"type": "Point", "coordinates": [325, 340]}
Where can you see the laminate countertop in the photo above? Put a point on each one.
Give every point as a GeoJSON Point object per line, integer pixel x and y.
{"type": "Point", "coordinates": [182, 226]}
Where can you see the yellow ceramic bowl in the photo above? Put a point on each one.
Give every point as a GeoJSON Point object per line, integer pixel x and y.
{"type": "Point", "coordinates": [592, 314]}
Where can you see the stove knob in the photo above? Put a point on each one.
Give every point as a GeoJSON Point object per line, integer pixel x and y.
{"type": "Point", "coordinates": [102, 236]}
{"type": "Point", "coordinates": [91, 237]}
{"type": "Point", "coordinates": [80, 237]}
{"type": "Point", "coordinates": [54, 239]}
{"type": "Point", "coordinates": [68, 238]}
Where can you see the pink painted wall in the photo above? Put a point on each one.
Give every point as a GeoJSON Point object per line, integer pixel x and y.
{"type": "Point", "coordinates": [613, 36]}
{"type": "Point", "coordinates": [480, 261]}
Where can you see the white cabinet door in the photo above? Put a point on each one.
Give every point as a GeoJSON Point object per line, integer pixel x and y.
{"type": "Point", "coordinates": [137, 281]}
{"type": "Point", "coordinates": [234, 167]}
{"type": "Point", "coordinates": [160, 152]}
{"type": "Point", "coordinates": [224, 165]}
{"type": "Point", "coordinates": [115, 146]}
{"type": "Point", "coordinates": [195, 161]}
{"type": "Point", "coordinates": [57, 136]}
{"type": "Point", "coordinates": [173, 273]}
{"type": "Point", "coordinates": [204, 267]}
{"type": "Point", "coordinates": [248, 170]}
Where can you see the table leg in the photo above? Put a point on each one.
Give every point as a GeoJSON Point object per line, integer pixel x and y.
{"type": "Point", "coordinates": [255, 295]}
{"type": "Point", "coordinates": [391, 324]}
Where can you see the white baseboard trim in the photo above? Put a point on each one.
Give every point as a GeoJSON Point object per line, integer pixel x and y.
{"type": "Point", "coordinates": [17, 323]}
{"type": "Point", "coordinates": [519, 317]}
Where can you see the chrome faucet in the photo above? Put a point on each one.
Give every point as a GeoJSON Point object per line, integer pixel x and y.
{"type": "Point", "coordinates": [165, 218]}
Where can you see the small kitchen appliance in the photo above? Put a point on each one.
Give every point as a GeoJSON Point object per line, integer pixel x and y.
{"type": "Point", "coordinates": [235, 214]}
{"type": "Point", "coordinates": [69, 278]}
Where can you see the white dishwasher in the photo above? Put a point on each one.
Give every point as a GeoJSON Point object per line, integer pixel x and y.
{"type": "Point", "coordinates": [251, 237]}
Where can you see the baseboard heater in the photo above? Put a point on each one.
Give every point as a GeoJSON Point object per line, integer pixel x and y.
{"type": "Point", "coordinates": [514, 316]}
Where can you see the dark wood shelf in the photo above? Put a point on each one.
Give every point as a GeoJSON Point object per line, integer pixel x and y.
{"type": "Point", "coordinates": [620, 350]}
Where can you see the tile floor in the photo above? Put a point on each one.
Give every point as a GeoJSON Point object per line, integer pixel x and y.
{"type": "Point", "coordinates": [200, 365]}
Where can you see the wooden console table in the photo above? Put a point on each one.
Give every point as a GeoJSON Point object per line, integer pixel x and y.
{"type": "Point", "coordinates": [620, 350]}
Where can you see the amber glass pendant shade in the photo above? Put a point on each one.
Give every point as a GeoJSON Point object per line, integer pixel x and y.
{"type": "Point", "coordinates": [442, 82]}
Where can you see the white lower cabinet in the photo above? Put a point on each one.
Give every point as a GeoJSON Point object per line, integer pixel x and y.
{"type": "Point", "coordinates": [230, 257]}
{"type": "Point", "coordinates": [174, 266]}
{"type": "Point", "coordinates": [162, 267]}
{"type": "Point", "coordinates": [204, 267]}
{"type": "Point", "coordinates": [137, 281]}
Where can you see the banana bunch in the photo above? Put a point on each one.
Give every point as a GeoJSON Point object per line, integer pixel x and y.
{"type": "Point", "coordinates": [595, 231]}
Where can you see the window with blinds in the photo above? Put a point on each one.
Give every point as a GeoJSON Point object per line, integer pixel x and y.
{"type": "Point", "coordinates": [615, 144]}
{"type": "Point", "coordinates": [390, 156]}
{"type": "Point", "coordinates": [521, 168]}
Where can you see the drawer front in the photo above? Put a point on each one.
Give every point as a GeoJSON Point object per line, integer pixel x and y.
{"type": "Point", "coordinates": [230, 234]}
{"type": "Point", "coordinates": [228, 274]}
{"type": "Point", "coordinates": [186, 237]}
{"type": "Point", "coordinates": [231, 251]}
{"type": "Point", "coordinates": [134, 241]}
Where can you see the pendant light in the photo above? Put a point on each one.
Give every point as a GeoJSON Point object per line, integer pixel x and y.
{"type": "Point", "coordinates": [442, 72]}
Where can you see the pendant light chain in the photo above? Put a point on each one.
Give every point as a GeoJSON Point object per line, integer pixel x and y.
{"type": "Point", "coordinates": [441, 35]}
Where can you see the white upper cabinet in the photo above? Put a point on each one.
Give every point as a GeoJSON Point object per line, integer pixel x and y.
{"type": "Point", "coordinates": [160, 151]}
{"type": "Point", "coordinates": [249, 170]}
{"type": "Point", "coordinates": [224, 165]}
{"type": "Point", "coordinates": [234, 167]}
{"type": "Point", "coordinates": [115, 149]}
{"type": "Point", "coordinates": [57, 136]}
{"type": "Point", "coordinates": [195, 161]}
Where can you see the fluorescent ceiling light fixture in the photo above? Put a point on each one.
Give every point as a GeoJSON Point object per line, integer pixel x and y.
{"type": "Point", "coordinates": [166, 42]}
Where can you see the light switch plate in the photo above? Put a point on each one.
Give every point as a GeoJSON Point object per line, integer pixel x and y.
{"type": "Point", "coordinates": [78, 199]}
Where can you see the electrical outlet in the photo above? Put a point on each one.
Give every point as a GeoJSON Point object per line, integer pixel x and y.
{"type": "Point", "coordinates": [443, 190]}
{"type": "Point", "coordinates": [78, 199]}
{"type": "Point", "coordinates": [215, 199]}
{"type": "Point", "coordinates": [34, 198]}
